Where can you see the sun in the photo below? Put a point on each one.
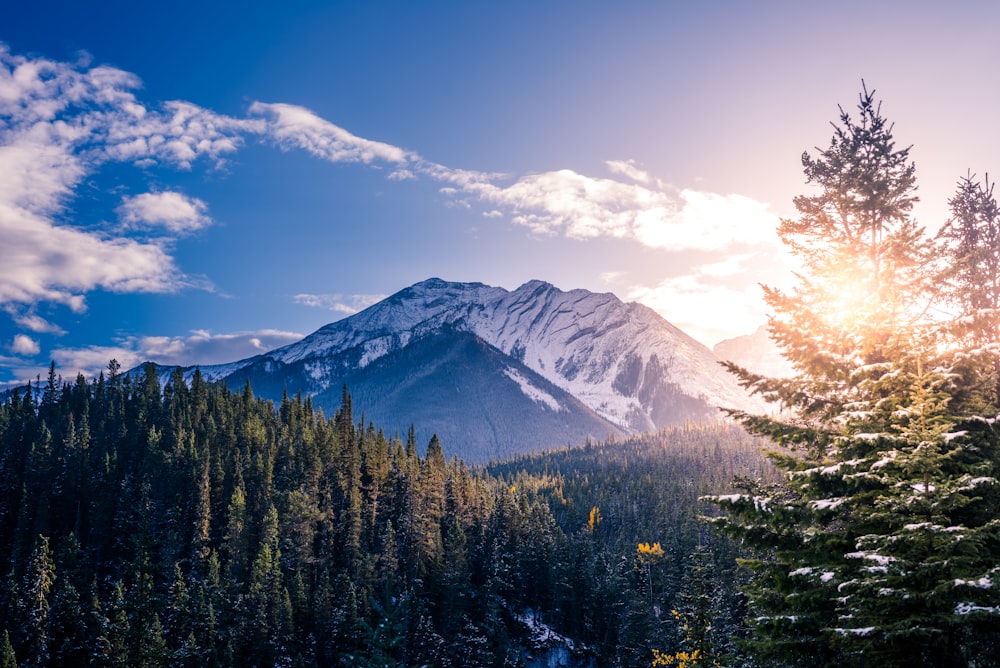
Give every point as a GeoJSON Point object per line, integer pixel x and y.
{"type": "Point", "coordinates": [850, 297]}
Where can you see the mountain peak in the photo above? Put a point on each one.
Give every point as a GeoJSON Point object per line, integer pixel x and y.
{"type": "Point", "coordinates": [536, 284]}
{"type": "Point", "coordinates": [435, 283]}
{"type": "Point", "coordinates": [622, 361]}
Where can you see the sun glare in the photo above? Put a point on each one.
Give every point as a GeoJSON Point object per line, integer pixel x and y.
{"type": "Point", "coordinates": [849, 300]}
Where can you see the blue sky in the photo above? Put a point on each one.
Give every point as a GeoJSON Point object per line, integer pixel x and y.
{"type": "Point", "coordinates": [199, 182]}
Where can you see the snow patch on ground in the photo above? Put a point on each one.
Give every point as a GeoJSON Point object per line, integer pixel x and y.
{"type": "Point", "coordinates": [550, 649]}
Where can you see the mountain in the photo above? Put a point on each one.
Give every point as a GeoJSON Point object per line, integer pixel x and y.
{"type": "Point", "coordinates": [496, 372]}
{"type": "Point", "coordinates": [755, 352]}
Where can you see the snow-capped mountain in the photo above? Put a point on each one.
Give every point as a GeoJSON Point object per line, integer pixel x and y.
{"type": "Point", "coordinates": [568, 364]}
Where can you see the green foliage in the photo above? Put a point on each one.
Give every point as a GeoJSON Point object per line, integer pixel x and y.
{"type": "Point", "coordinates": [880, 546]}
{"type": "Point", "coordinates": [196, 526]}
{"type": "Point", "coordinates": [7, 656]}
{"type": "Point", "coordinates": [651, 550]}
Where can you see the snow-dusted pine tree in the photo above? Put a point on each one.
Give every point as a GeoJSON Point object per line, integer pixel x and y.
{"type": "Point", "coordinates": [882, 546]}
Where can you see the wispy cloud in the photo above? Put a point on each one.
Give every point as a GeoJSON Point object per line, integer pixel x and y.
{"type": "Point", "coordinates": [345, 304]}
{"type": "Point", "coordinates": [612, 277]}
{"type": "Point", "coordinates": [704, 309]}
{"type": "Point", "coordinates": [296, 127]}
{"type": "Point", "coordinates": [32, 321]}
{"type": "Point", "coordinates": [629, 169]}
{"type": "Point", "coordinates": [200, 347]}
{"type": "Point", "coordinates": [729, 266]}
{"type": "Point", "coordinates": [710, 298]}
{"type": "Point", "coordinates": [578, 206]}
{"type": "Point", "coordinates": [204, 347]}
{"type": "Point", "coordinates": [175, 212]}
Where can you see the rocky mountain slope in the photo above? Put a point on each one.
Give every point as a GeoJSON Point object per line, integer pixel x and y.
{"type": "Point", "coordinates": [497, 372]}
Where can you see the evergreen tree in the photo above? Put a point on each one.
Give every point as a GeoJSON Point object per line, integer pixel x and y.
{"type": "Point", "coordinates": [217, 529]}
{"type": "Point", "coordinates": [67, 626]}
{"type": "Point", "coordinates": [112, 650]}
{"type": "Point", "coordinates": [970, 247]}
{"type": "Point", "coordinates": [868, 553]}
{"type": "Point", "coordinates": [35, 606]}
{"type": "Point", "coordinates": [7, 657]}
{"type": "Point", "coordinates": [969, 280]}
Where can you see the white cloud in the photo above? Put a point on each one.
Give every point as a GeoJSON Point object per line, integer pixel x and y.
{"type": "Point", "coordinates": [628, 169]}
{"type": "Point", "coordinates": [729, 266]}
{"type": "Point", "coordinates": [297, 127]}
{"type": "Point", "coordinates": [175, 212]}
{"type": "Point", "coordinates": [708, 311]}
{"type": "Point", "coordinates": [58, 123]}
{"type": "Point", "coordinates": [91, 360]}
{"type": "Point", "coordinates": [719, 299]}
{"type": "Point", "coordinates": [401, 175]}
{"type": "Point", "coordinates": [48, 262]}
{"type": "Point", "coordinates": [25, 345]}
{"type": "Point", "coordinates": [612, 277]}
{"type": "Point", "coordinates": [202, 347]}
{"type": "Point", "coordinates": [706, 221]}
{"type": "Point", "coordinates": [583, 207]}
{"type": "Point", "coordinates": [565, 201]}
{"type": "Point", "coordinates": [33, 322]}
{"type": "Point", "coordinates": [346, 304]}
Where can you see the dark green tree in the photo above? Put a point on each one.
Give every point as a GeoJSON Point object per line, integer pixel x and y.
{"type": "Point", "coordinates": [35, 606]}
{"type": "Point", "coordinates": [7, 656]}
{"type": "Point", "coordinates": [864, 551]}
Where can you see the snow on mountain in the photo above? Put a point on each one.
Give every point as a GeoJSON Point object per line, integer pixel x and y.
{"type": "Point", "coordinates": [622, 360]}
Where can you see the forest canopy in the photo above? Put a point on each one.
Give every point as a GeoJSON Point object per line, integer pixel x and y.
{"type": "Point", "coordinates": [190, 525]}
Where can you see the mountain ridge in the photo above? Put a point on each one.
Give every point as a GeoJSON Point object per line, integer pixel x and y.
{"type": "Point", "coordinates": [627, 366]}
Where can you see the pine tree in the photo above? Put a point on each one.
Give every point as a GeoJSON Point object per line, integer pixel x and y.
{"type": "Point", "coordinates": [868, 554]}
{"type": "Point", "coordinates": [115, 631]}
{"type": "Point", "coordinates": [969, 246]}
{"type": "Point", "coordinates": [67, 627]}
{"type": "Point", "coordinates": [7, 657]}
{"type": "Point", "coordinates": [35, 605]}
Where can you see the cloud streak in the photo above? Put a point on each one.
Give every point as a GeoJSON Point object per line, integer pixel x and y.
{"type": "Point", "coordinates": [296, 127]}
{"type": "Point", "coordinates": [198, 348]}
{"type": "Point", "coordinates": [563, 202]}
{"type": "Point", "coordinates": [345, 304]}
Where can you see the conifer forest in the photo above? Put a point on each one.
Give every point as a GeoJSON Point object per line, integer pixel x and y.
{"type": "Point", "coordinates": [196, 526]}
{"type": "Point", "coordinates": [185, 523]}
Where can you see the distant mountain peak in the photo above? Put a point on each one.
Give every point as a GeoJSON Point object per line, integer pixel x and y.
{"type": "Point", "coordinates": [755, 352]}
{"type": "Point", "coordinates": [626, 367]}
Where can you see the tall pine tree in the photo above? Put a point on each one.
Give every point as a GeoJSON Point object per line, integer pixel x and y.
{"type": "Point", "coordinates": [880, 547]}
